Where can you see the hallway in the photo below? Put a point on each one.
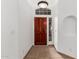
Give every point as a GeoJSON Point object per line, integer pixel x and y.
{"type": "Point", "coordinates": [44, 52]}
{"type": "Point", "coordinates": [25, 23]}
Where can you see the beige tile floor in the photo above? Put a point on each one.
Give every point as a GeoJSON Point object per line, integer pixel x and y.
{"type": "Point", "coordinates": [44, 52]}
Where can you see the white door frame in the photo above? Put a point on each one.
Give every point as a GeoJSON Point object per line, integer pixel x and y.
{"type": "Point", "coordinates": [47, 16]}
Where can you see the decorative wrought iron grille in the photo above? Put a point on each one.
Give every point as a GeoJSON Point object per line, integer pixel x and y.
{"type": "Point", "coordinates": [43, 11]}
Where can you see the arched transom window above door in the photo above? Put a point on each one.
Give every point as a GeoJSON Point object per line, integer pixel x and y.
{"type": "Point", "coordinates": [43, 10]}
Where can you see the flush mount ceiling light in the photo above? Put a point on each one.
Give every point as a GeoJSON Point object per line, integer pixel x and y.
{"type": "Point", "coordinates": [43, 4]}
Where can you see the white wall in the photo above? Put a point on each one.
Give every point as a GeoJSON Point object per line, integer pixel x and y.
{"type": "Point", "coordinates": [56, 32]}
{"type": "Point", "coordinates": [25, 28]}
{"type": "Point", "coordinates": [9, 30]}
{"type": "Point", "coordinates": [66, 8]}
{"type": "Point", "coordinates": [17, 29]}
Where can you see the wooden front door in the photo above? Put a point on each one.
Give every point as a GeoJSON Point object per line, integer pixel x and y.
{"type": "Point", "coordinates": [40, 29]}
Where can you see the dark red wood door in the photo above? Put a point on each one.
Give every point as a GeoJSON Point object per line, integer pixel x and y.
{"type": "Point", "coordinates": [40, 29]}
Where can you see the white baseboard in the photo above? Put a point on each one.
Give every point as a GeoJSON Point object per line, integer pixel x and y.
{"type": "Point", "coordinates": [66, 53]}
{"type": "Point", "coordinates": [27, 51]}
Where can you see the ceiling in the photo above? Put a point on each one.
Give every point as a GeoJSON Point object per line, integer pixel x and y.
{"type": "Point", "coordinates": [33, 3]}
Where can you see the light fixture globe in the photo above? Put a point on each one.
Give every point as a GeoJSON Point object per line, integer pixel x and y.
{"type": "Point", "coordinates": [43, 4]}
